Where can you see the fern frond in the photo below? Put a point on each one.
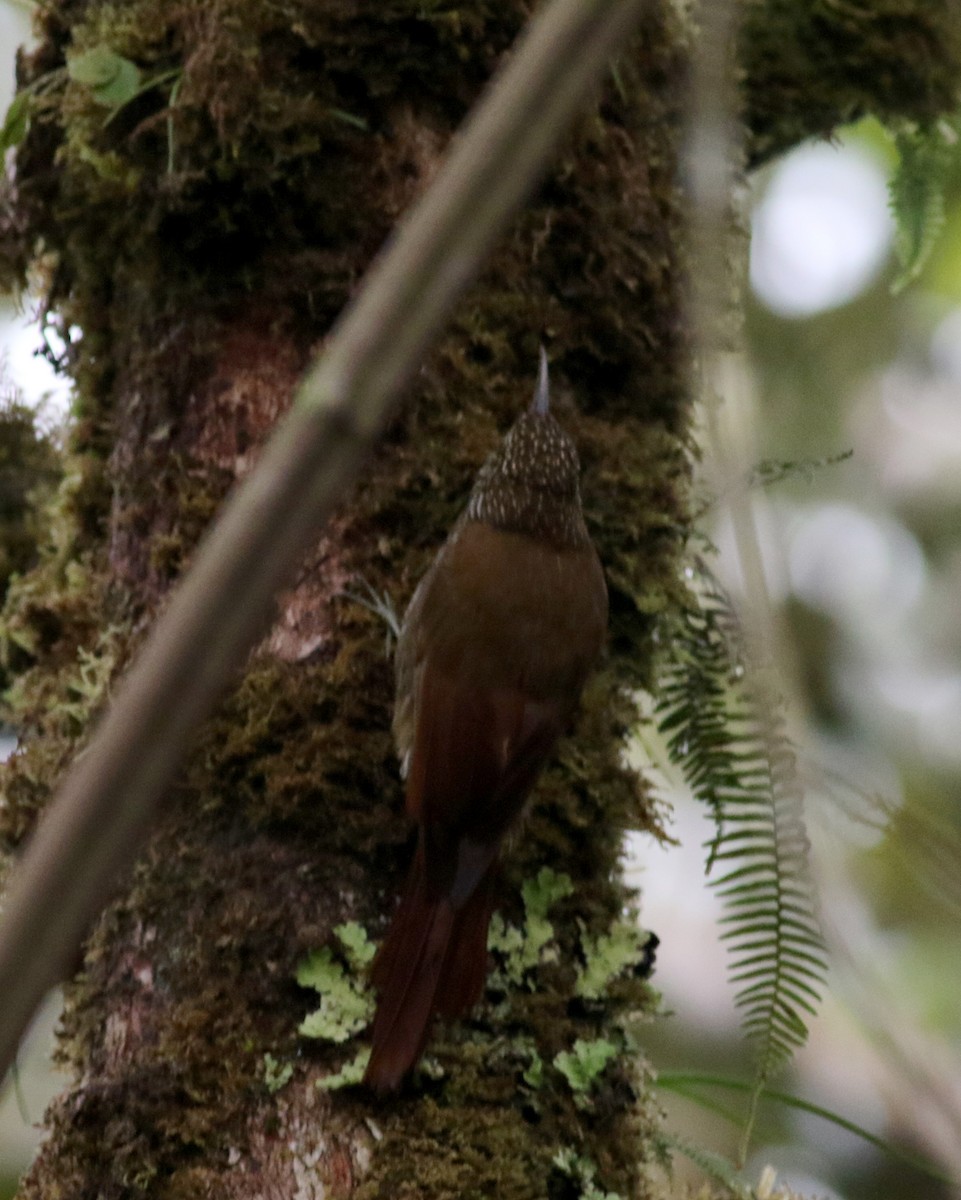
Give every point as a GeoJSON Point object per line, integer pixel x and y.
{"type": "Point", "coordinates": [927, 158]}
{"type": "Point", "coordinates": [737, 759]}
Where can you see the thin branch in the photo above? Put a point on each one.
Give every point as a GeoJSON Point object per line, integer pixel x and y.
{"type": "Point", "coordinates": [101, 812]}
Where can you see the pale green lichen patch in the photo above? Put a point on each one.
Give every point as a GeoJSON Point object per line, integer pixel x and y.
{"type": "Point", "coordinates": [276, 1073]}
{"type": "Point", "coordinates": [583, 1064]}
{"type": "Point", "coordinates": [533, 1073]}
{"type": "Point", "coordinates": [346, 1006]}
{"type": "Point", "coordinates": [351, 1073]}
{"type": "Point", "coordinates": [358, 948]}
{"type": "Point", "coordinates": [583, 1172]}
{"type": "Point", "coordinates": [521, 949]}
{"type": "Point", "coordinates": [608, 956]}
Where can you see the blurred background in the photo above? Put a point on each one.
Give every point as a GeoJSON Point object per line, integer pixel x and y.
{"type": "Point", "coordinates": [858, 384]}
{"type": "Point", "coordinates": [862, 551]}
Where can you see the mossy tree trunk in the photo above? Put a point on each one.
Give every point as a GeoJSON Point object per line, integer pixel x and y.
{"type": "Point", "coordinates": [203, 249]}
{"type": "Point", "coordinates": [196, 249]}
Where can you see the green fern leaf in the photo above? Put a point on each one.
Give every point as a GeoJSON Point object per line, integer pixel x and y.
{"type": "Point", "coordinates": [738, 761]}
{"type": "Point", "coordinates": [927, 157]}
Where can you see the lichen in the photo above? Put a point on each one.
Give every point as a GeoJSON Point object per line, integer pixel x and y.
{"type": "Point", "coordinates": [520, 947]}
{"type": "Point", "coordinates": [583, 1064]}
{"type": "Point", "coordinates": [583, 1172]}
{"type": "Point", "coordinates": [609, 955]}
{"type": "Point", "coordinates": [346, 1005]}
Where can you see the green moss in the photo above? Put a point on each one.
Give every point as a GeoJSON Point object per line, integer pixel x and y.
{"type": "Point", "coordinates": [30, 467]}
{"type": "Point", "coordinates": [59, 656]}
{"type": "Point", "coordinates": [811, 67]}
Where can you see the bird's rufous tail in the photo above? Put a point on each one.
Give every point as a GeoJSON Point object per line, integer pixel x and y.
{"type": "Point", "coordinates": [434, 960]}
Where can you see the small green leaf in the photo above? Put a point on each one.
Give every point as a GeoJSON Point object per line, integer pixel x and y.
{"type": "Point", "coordinates": [317, 969]}
{"type": "Point", "coordinates": [544, 890]}
{"type": "Point", "coordinates": [16, 122]}
{"type": "Point", "coordinates": [566, 1160]}
{"type": "Point", "coordinates": [503, 938]}
{"type": "Point", "coordinates": [122, 88]}
{"type": "Point", "coordinates": [539, 894]}
{"type": "Point", "coordinates": [582, 1065]}
{"type": "Point", "coordinates": [337, 1019]}
{"type": "Point", "coordinates": [94, 67]}
{"type": "Point", "coordinates": [113, 79]}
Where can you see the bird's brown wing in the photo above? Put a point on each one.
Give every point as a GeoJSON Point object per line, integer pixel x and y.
{"type": "Point", "coordinates": [475, 757]}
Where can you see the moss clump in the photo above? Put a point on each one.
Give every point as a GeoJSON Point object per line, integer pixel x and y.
{"type": "Point", "coordinates": [30, 467]}
{"type": "Point", "coordinates": [62, 635]}
{"type": "Point", "coordinates": [811, 67]}
{"type": "Point", "coordinates": [61, 660]}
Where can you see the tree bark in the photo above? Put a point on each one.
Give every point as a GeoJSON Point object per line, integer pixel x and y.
{"type": "Point", "coordinates": [196, 249]}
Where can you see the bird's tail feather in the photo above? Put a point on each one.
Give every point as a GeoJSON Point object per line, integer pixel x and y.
{"type": "Point", "coordinates": [434, 959]}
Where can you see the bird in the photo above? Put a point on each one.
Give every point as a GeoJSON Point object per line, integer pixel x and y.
{"type": "Point", "coordinates": [494, 650]}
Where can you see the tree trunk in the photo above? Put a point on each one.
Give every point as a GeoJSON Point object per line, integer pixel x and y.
{"type": "Point", "coordinates": [197, 248]}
